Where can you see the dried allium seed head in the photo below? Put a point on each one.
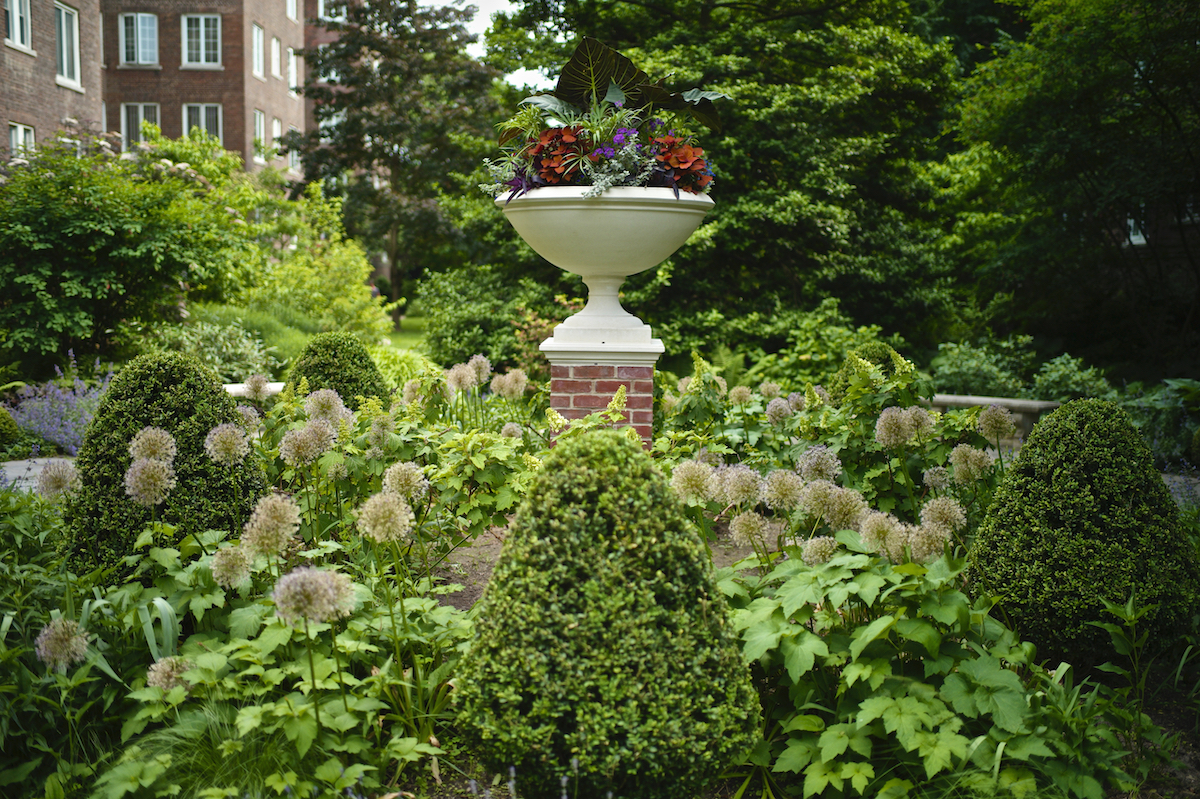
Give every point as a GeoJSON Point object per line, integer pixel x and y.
{"type": "Point", "coordinates": [682, 385]}
{"type": "Point", "coordinates": [460, 377]}
{"type": "Point", "coordinates": [167, 673]}
{"type": "Point", "coordinates": [58, 478]}
{"type": "Point", "coordinates": [412, 392]}
{"type": "Point", "coordinates": [898, 541]}
{"type": "Point", "coordinates": [668, 402]}
{"type": "Point", "coordinates": [313, 594]}
{"type": "Point", "coordinates": [818, 550]}
{"type": "Point", "coordinates": [927, 543]}
{"type": "Point", "coordinates": [694, 481]}
{"type": "Point", "coordinates": [748, 529]}
{"type": "Point", "coordinates": [382, 426]}
{"type": "Point", "coordinates": [995, 423]}
{"type": "Point", "coordinates": [970, 464]}
{"type": "Point", "coordinates": [230, 567]}
{"type": "Point", "coordinates": [769, 390]}
{"type": "Point", "coordinates": [819, 463]}
{"type": "Point", "coordinates": [796, 401]}
{"type": "Point", "coordinates": [385, 517]}
{"type": "Point", "coordinates": [256, 388]}
{"type": "Point", "coordinates": [61, 643]}
{"type": "Point", "coordinates": [326, 404]}
{"type": "Point", "coordinates": [152, 443]}
{"type": "Point", "coordinates": [512, 430]}
{"type": "Point", "coordinates": [919, 421]}
{"type": "Point", "coordinates": [740, 395]}
{"type": "Point", "coordinates": [943, 514]}
{"type": "Point", "coordinates": [148, 481]}
{"type": "Point", "coordinates": [877, 528]}
{"type": "Point", "coordinates": [482, 367]}
{"type": "Point", "coordinates": [272, 525]}
{"type": "Point", "coordinates": [722, 385]}
{"type": "Point", "coordinates": [226, 444]}
{"type": "Point", "coordinates": [845, 509]}
{"type": "Point", "coordinates": [249, 417]}
{"type": "Point", "coordinates": [740, 485]}
{"type": "Point", "coordinates": [406, 479]}
{"type": "Point", "coordinates": [894, 428]}
{"type": "Point", "coordinates": [936, 478]}
{"type": "Point", "coordinates": [302, 447]}
{"type": "Point", "coordinates": [782, 489]}
{"type": "Point", "coordinates": [778, 411]}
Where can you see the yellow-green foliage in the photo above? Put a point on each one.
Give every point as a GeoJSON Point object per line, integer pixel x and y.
{"type": "Point", "coordinates": [9, 432]}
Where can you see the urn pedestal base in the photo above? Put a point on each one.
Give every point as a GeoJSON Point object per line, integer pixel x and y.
{"type": "Point", "coordinates": [582, 382]}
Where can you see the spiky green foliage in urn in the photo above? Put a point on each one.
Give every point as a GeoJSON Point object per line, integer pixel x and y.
{"type": "Point", "coordinates": [604, 654]}
{"type": "Point", "coordinates": [339, 361]}
{"type": "Point", "coordinates": [1082, 515]}
{"type": "Point", "coordinates": [180, 395]}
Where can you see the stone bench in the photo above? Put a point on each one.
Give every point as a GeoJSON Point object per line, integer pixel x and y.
{"type": "Point", "coordinates": [1026, 413]}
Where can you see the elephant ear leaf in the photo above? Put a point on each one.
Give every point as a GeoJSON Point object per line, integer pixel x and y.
{"type": "Point", "coordinates": [585, 78]}
{"type": "Point", "coordinates": [694, 102]}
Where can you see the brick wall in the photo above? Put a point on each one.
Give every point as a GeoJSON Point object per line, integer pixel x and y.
{"type": "Point", "coordinates": [579, 389]}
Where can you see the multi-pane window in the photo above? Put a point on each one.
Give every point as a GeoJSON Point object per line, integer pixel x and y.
{"type": "Point", "coordinates": [206, 116]}
{"type": "Point", "coordinates": [260, 135]}
{"type": "Point", "coordinates": [256, 50]}
{"type": "Point", "coordinates": [293, 154]}
{"type": "Point", "coordinates": [291, 9]}
{"type": "Point", "coordinates": [132, 117]}
{"type": "Point", "coordinates": [276, 70]}
{"type": "Point", "coordinates": [16, 22]}
{"type": "Point", "coordinates": [291, 71]}
{"type": "Point", "coordinates": [139, 39]}
{"type": "Point", "coordinates": [20, 138]}
{"type": "Point", "coordinates": [66, 31]}
{"type": "Point", "coordinates": [276, 131]}
{"type": "Point", "coordinates": [326, 11]}
{"type": "Point", "coordinates": [202, 40]}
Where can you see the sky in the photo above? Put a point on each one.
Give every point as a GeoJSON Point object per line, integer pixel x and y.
{"type": "Point", "coordinates": [481, 22]}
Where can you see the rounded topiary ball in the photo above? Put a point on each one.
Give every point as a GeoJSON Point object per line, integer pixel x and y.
{"type": "Point", "coordinates": [603, 639]}
{"type": "Point", "coordinates": [1083, 514]}
{"type": "Point", "coordinates": [182, 396]}
{"type": "Point", "coordinates": [339, 361]}
{"type": "Point", "coordinates": [10, 433]}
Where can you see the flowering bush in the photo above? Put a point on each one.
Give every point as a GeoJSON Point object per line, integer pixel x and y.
{"type": "Point", "coordinates": [605, 124]}
{"type": "Point", "coordinates": [59, 411]}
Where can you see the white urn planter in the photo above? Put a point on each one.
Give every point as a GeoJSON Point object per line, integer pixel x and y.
{"type": "Point", "coordinates": [604, 239]}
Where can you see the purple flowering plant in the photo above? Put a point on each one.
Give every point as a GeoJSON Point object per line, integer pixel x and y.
{"type": "Point", "coordinates": [60, 410]}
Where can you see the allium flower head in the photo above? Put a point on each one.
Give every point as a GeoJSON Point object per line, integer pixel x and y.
{"type": "Point", "coordinates": [57, 479]}
{"type": "Point", "coordinates": [970, 464]}
{"type": "Point", "coordinates": [927, 543]}
{"type": "Point", "coordinates": [894, 428]}
{"type": "Point", "coordinates": [995, 423]}
{"type": "Point", "coordinates": [411, 392]}
{"type": "Point", "coordinates": [226, 444]}
{"type": "Point", "coordinates": [747, 529]}
{"type": "Point", "coordinates": [876, 528]}
{"type": "Point", "coordinates": [249, 417]}
{"type": "Point", "coordinates": [382, 426]}
{"type": "Point", "coordinates": [819, 463]}
{"type": "Point", "coordinates": [460, 377]}
{"type": "Point", "coordinates": [899, 543]}
{"type": "Point", "coordinates": [682, 385]}
{"type": "Point", "coordinates": [385, 517]}
{"type": "Point", "coordinates": [722, 385]}
{"type": "Point", "coordinates": [740, 485]}
{"type": "Point", "coordinates": [936, 478]}
{"type": "Point", "coordinates": [782, 489]}
{"type": "Point", "coordinates": [778, 411]}
{"type": "Point", "coordinates": [256, 388]}
{"type": "Point", "coordinates": [841, 508]}
{"type": "Point", "coordinates": [769, 390]}
{"type": "Point", "coordinates": [152, 443]}
{"type": "Point", "coordinates": [815, 498]}
{"type": "Point", "coordinates": [796, 401]}
{"type": "Point", "coordinates": [818, 550]}
{"type": "Point", "coordinates": [407, 480]}
{"type": "Point", "coordinates": [943, 514]}
{"type": "Point", "coordinates": [668, 402]}
{"type": "Point", "coordinates": [302, 447]}
{"type": "Point", "coordinates": [272, 525]}
{"type": "Point", "coordinates": [167, 673]}
{"type": "Point", "coordinates": [511, 385]}
{"type": "Point", "coordinates": [740, 395]}
{"type": "Point", "coordinates": [313, 594]}
{"type": "Point", "coordinates": [61, 643]}
{"type": "Point", "coordinates": [512, 430]}
{"type": "Point", "coordinates": [148, 481]}
{"type": "Point", "coordinates": [326, 404]}
{"type": "Point", "coordinates": [919, 421]}
{"type": "Point", "coordinates": [694, 481]}
{"type": "Point", "coordinates": [230, 567]}
{"type": "Point", "coordinates": [482, 367]}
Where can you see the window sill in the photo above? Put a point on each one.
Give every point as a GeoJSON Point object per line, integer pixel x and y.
{"type": "Point", "coordinates": [257, 76]}
{"type": "Point", "coordinates": [67, 83]}
{"type": "Point", "coordinates": [20, 48]}
{"type": "Point", "coordinates": [146, 67]}
{"type": "Point", "coordinates": [202, 67]}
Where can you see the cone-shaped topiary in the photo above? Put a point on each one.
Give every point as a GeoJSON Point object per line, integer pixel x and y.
{"type": "Point", "coordinates": [1083, 514]}
{"type": "Point", "coordinates": [178, 394]}
{"type": "Point", "coordinates": [339, 361]}
{"type": "Point", "coordinates": [604, 653]}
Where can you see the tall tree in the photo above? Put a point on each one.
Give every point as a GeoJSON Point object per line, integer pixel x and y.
{"type": "Point", "coordinates": [400, 107]}
{"type": "Point", "coordinates": [1095, 118]}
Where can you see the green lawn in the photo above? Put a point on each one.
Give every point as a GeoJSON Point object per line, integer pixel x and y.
{"type": "Point", "coordinates": [410, 332]}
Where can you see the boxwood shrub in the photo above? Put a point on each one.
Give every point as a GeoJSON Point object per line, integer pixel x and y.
{"type": "Point", "coordinates": [1083, 514]}
{"type": "Point", "coordinates": [339, 361]}
{"type": "Point", "coordinates": [604, 653]}
{"type": "Point", "coordinates": [182, 396]}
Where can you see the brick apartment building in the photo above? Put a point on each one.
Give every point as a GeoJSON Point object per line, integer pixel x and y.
{"type": "Point", "coordinates": [230, 67]}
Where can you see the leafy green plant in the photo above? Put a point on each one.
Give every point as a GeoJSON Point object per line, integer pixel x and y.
{"type": "Point", "coordinates": [339, 361]}
{"type": "Point", "coordinates": [603, 653]}
{"type": "Point", "coordinates": [281, 332]}
{"type": "Point", "coordinates": [229, 350]}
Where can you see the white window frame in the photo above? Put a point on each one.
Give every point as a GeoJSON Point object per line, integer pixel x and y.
{"type": "Point", "coordinates": [291, 10]}
{"type": "Point", "coordinates": [292, 71]}
{"type": "Point", "coordinates": [21, 139]}
{"type": "Point", "coordinates": [276, 132]}
{"type": "Point", "coordinates": [66, 47]}
{"type": "Point", "coordinates": [202, 110]}
{"type": "Point", "coordinates": [208, 24]}
{"type": "Point", "coordinates": [256, 50]}
{"type": "Point", "coordinates": [276, 58]}
{"type": "Point", "coordinates": [17, 12]}
{"type": "Point", "coordinates": [260, 136]}
{"type": "Point", "coordinates": [127, 135]}
{"type": "Point", "coordinates": [323, 14]}
{"type": "Point", "coordinates": [293, 156]}
{"type": "Point", "coordinates": [145, 26]}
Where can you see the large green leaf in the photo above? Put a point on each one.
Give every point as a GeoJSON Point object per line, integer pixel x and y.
{"type": "Point", "coordinates": [585, 78]}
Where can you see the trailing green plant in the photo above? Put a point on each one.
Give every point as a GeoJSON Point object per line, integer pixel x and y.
{"type": "Point", "coordinates": [341, 362]}
{"type": "Point", "coordinates": [603, 656]}
{"type": "Point", "coordinates": [181, 396]}
{"type": "Point", "coordinates": [1085, 499]}
{"type": "Point", "coordinates": [887, 680]}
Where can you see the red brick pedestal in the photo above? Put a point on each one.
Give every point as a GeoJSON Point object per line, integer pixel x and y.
{"type": "Point", "coordinates": [577, 389]}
